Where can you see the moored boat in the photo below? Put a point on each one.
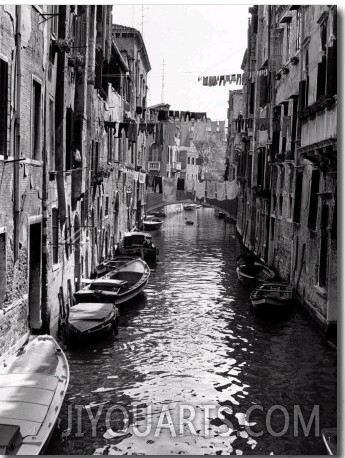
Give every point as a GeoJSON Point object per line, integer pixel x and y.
{"type": "Point", "coordinates": [189, 208]}
{"type": "Point", "coordinates": [189, 222]}
{"type": "Point", "coordinates": [158, 214]}
{"type": "Point", "coordinates": [329, 437]}
{"type": "Point", "coordinates": [272, 296]}
{"type": "Point", "coordinates": [252, 273]}
{"type": "Point", "coordinates": [33, 384]}
{"type": "Point", "coordinates": [111, 264]}
{"type": "Point", "coordinates": [91, 319]}
{"type": "Point", "coordinates": [138, 244]}
{"type": "Point", "coordinates": [117, 286]}
{"type": "Point", "coordinates": [152, 224]}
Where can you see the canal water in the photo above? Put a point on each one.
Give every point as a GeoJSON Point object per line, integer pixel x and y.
{"type": "Point", "coordinates": [192, 346]}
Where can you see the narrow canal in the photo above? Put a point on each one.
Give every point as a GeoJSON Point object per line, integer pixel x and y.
{"type": "Point", "coordinates": [193, 340]}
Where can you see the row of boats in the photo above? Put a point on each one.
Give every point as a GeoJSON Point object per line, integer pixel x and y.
{"type": "Point", "coordinates": [34, 380]}
{"type": "Point", "coordinates": [268, 295]}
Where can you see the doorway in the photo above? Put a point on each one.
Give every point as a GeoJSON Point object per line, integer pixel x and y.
{"type": "Point", "coordinates": [35, 274]}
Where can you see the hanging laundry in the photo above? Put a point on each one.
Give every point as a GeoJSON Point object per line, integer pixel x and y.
{"type": "Point", "coordinates": [211, 189]}
{"type": "Point", "coordinates": [160, 185]}
{"type": "Point", "coordinates": [142, 178]}
{"type": "Point", "coordinates": [169, 135]}
{"type": "Point", "coordinates": [239, 78]}
{"type": "Point", "coordinates": [205, 81]}
{"type": "Point", "coordinates": [123, 129]}
{"type": "Point", "coordinates": [262, 123]}
{"type": "Point", "coordinates": [220, 191]}
{"type": "Point", "coordinates": [176, 114]}
{"type": "Point", "coordinates": [227, 79]}
{"type": "Point", "coordinates": [180, 184]}
{"type": "Point", "coordinates": [136, 176]}
{"type": "Point", "coordinates": [232, 189]}
{"type": "Point", "coordinates": [171, 114]}
{"type": "Point", "coordinates": [142, 127]}
{"type": "Point", "coordinates": [184, 131]}
{"type": "Point", "coordinates": [169, 189]}
{"type": "Point", "coordinates": [200, 189]}
{"type": "Point", "coordinates": [183, 116]}
{"type": "Point", "coordinates": [212, 81]}
{"type": "Point", "coordinates": [150, 128]}
{"type": "Point", "coordinates": [222, 80]}
{"type": "Point", "coordinates": [233, 78]}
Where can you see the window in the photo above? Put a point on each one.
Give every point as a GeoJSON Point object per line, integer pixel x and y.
{"type": "Point", "coordinates": [36, 120]}
{"type": "Point", "coordinates": [69, 138]}
{"type": "Point", "coordinates": [288, 39]}
{"type": "Point", "coordinates": [314, 198]}
{"type": "Point", "coordinates": [188, 160]}
{"type": "Point", "coordinates": [52, 134]}
{"type": "Point", "coordinates": [2, 268]}
{"type": "Point", "coordinates": [298, 197]}
{"type": "Point", "coordinates": [55, 235]}
{"type": "Point", "coordinates": [3, 106]}
{"type": "Point", "coordinates": [323, 264]}
{"type": "Point", "coordinates": [55, 20]}
{"type": "Point", "coordinates": [106, 210]}
{"type": "Point", "coordinates": [298, 30]}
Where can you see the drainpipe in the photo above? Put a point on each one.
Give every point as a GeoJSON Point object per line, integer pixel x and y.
{"type": "Point", "coordinates": [16, 183]}
{"type": "Point", "coordinates": [45, 315]}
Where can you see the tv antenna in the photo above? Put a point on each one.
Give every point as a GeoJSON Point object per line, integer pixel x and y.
{"type": "Point", "coordinates": [163, 77]}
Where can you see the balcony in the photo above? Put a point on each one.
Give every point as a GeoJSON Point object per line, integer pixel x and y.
{"type": "Point", "coordinates": [154, 166]}
{"type": "Point", "coordinates": [176, 166]}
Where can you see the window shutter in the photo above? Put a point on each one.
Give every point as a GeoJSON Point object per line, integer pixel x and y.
{"type": "Point", "coordinates": [331, 76]}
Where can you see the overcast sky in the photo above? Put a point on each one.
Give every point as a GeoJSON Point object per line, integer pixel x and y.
{"type": "Point", "coordinates": [193, 40]}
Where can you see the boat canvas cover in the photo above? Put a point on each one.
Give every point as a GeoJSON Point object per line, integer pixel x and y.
{"type": "Point", "coordinates": [136, 266]}
{"type": "Point", "coordinates": [90, 311]}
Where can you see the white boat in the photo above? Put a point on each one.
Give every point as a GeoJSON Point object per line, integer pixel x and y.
{"type": "Point", "coordinates": [117, 286]}
{"type": "Point", "coordinates": [152, 224]}
{"type": "Point", "coordinates": [329, 437]}
{"type": "Point", "coordinates": [33, 384]}
{"type": "Point", "coordinates": [189, 208]}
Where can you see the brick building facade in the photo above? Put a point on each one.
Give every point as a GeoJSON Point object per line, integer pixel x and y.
{"type": "Point", "coordinates": [287, 166]}
{"type": "Point", "coordinates": [72, 179]}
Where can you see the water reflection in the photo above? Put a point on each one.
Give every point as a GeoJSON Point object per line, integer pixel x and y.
{"type": "Point", "coordinates": [193, 339]}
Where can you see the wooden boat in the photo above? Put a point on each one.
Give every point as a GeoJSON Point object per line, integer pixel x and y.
{"type": "Point", "coordinates": [90, 319]}
{"type": "Point", "coordinates": [252, 273]}
{"type": "Point", "coordinates": [111, 264]}
{"type": "Point", "coordinates": [158, 214]}
{"type": "Point", "coordinates": [272, 297]}
{"type": "Point", "coordinates": [138, 244]}
{"type": "Point", "coordinates": [329, 436]}
{"type": "Point", "coordinates": [189, 222]}
{"type": "Point", "coordinates": [189, 208]}
{"type": "Point", "coordinates": [117, 286]}
{"type": "Point", "coordinates": [33, 384]}
{"type": "Point", "coordinates": [152, 224]}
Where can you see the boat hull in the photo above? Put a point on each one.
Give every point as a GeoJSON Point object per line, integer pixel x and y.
{"type": "Point", "coordinates": [152, 226]}
{"type": "Point", "coordinates": [39, 374]}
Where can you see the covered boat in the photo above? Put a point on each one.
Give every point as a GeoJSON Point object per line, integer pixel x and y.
{"type": "Point", "coordinates": [138, 244]}
{"type": "Point", "coordinates": [117, 286]}
{"type": "Point", "coordinates": [329, 437]}
{"type": "Point", "coordinates": [272, 297]}
{"type": "Point", "coordinates": [158, 213]}
{"type": "Point", "coordinates": [252, 273]}
{"type": "Point", "coordinates": [91, 319]}
{"type": "Point", "coordinates": [33, 384]}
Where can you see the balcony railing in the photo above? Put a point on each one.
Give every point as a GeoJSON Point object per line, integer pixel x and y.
{"type": "Point", "coordinates": [154, 166]}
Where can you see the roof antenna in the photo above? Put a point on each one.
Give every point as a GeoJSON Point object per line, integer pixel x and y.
{"type": "Point", "coordinates": [163, 76]}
